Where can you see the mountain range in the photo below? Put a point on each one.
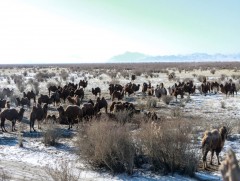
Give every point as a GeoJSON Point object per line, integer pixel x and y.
{"type": "Point", "coordinates": [135, 57]}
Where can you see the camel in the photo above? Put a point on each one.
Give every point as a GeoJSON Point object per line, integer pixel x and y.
{"type": "Point", "coordinates": [115, 87]}
{"type": "Point", "coordinates": [118, 95]}
{"type": "Point", "coordinates": [11, 115]}
{"type": "Point", "coordinates": [7, 92]}
{"type": "Point", "coordinates": [83, 83]}
{"type": "Point", "coordinates": [213, 141]}
{"type": "Point", "coordinates": [79, 93]}
{"type": "Point", "coordinates": [52, 88]}
{"type": "Point", "coordinates": [45, 99]}
{"type": "Point", "coordinates": [101, 103]}
{"type": "Point", "coordinates": [74, 100]}
{"type": "Point", "coordinates": [23, 101]}
{"type": "Point", "coordinates": [3, 103]}
{"type": "Point", "coordinates": [71, 113]}
{"type": "Point", "coordinates": [38, 113]}
{"type": "Point", "coordinates": [88, 110]}
{"type": "Point", "coordinates": [96, 91]}
{"type": "Point", "coordinates": [30, 95]}
{"type": "Point", "coordinates": [160, 91]}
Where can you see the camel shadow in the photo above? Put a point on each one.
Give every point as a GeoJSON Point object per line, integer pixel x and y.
{"type": "Point", "coordinates": [10, 141]}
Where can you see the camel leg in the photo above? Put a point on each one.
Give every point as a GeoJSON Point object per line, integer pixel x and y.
{"type": "Point", "coordinates": [217, 153]}
{"type": "Point", "coordinates": [69, 121]}
{"type": "Point", "coordinates": [13, 125]}
{"type": "Point", "coordinates": [32, 126]}
{"type": "Point", "coordinates": [212, 153]}
{"type": "Point", "coordinates": [205, 159]}
{"type": "Point", "coordinates": [2, 125]}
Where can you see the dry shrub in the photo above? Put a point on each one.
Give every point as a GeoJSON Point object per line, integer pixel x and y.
{"type": "Point", "coordinates": [223, 104]}
{"type": "Point", "coordinates": [212, 71]}
{"type": "Point", "coordinates": [151, 103]}
{"type": "Point", "coordinates": [167, 99]}
{"type": "Point", "coordinates": [230, 127]}
{"type": "Point", "coordinates": [176, 112]}
{"type": "Point", "coordinates": [107, 144]}
{"type": "Point", "coordinates": [72, 79]}
{"type": "Point", "coordinates": [20, 135]}
{"type": "Point", "coordinates": [36, 87]}
{"type": "Point", "coordinates": [164, 71]}
{"type": "Point", "coordinates": [171, 76]}
{"type": "Point", "coordinates": [62, 172]}
{"type": "Point", "coordinates": [194, 75]}
{"type": "Point", "coordinates": [200, 78]}
{"type": "Point", "coordinates": [114, 81]}
{"type": "Point", "coordinates": [51, 135]}
{"type": "Point", "coordinates": [123, 117]}
{"type": "Point", "coordinates": [138, 72]}
{"type": "Point", "coordinates": [168, 146]}
{"type": "Point", "coordinates": [42, 76]}
{"type": "Point", "coordinates": [4, 176]}
{"type": "Point", "coordinates": [112, 74]}
{"type": "Point", "coordinates": [64, 75]}
{"type": "Point", "coordinates": [237, 84]}
{"type": "Point", "coordinates": [187, 79]}
{"type": "Point", "coordinates": [125, 74]}
{"type": "Point", "coordinates": [223, 77]}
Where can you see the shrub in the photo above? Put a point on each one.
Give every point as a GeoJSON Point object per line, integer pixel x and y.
{"type": "Point", "coordinates": [151, 103]}
{"type": "Point", "coordinates": [64, 75]}
{"type": "Point", "coordinates": [4, 176]}
{"type": "Point", "coordinates": [72, 79]}
{"type": "Point", "coordinates": [168, 146]}
{"type": "Point", "coordinates": [223, 77]}
{"type": "Point", "coordinates": [137, 72]}
{"type": "Point", "coordinates": [50, 135]}
{"type": "Point", "coordinates": [36, 87]}
{"type": "Point", "coordinates": [194, 75]}
{"type": "Point", "coordinates": [201, 78]}
{"type": "Point", "coordinates": [62, 172]}
{"type": "Point", "coordinates": [114, 81]}
{"type": "Point", "coordinates": [167, 99]}
{"type": "Point", "coordinates": [223, 104]}
{"type": "Point", "coordinates": [25, 73]}
{"type": "Point", "coordinates": [112, 74]}
{"type": "Point", "coordinates": [20, 135]}
{"type": "Point", "coordinates": [171, 76]}
{"type": "Point", "coordinates": [123, 116]}
{"type": "Point", "coordinates": [125, 74]}
{"type": "Point", "coordinates": [42, 76]}
{"type": "Point", "coordinates": [212, 71]}
{"type": "Point", "coordinates": [176, 112]}
{"type": "Point", "coordinates": [107, 144]}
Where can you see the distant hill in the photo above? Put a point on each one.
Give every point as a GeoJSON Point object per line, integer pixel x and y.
{"type": "Point", "coordinates": [199, 57]}
{"type": "Point", "coordinates": [129, 57]}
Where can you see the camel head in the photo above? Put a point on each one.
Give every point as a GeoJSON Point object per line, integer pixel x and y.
{"type": "Point", "coordinates": [223, 131]}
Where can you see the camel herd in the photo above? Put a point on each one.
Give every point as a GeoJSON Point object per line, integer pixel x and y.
{"type": "Point", "coordinates": [77, 111]}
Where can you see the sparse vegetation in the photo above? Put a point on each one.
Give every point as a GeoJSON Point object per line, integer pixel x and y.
{"type": "Point", "coordinates": [167, 99]}
{"type": "Point", "coordinates": [169, 147]}
{"type": "Point", "coordinates": [63, 171]}
{"type": "Point", "coordinates": [51, 135]}
{"type": "Point", "coordinates": [151, 103]}
{"type": "Point", "coordinates": [123, 141]}
{"type": "Point", "coordinates": [107, 144]}
{"type": "Point", "coordinates": [4, 175]}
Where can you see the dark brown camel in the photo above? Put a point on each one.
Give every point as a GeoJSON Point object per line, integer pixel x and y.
{"type": "Point", "coordinates": [71, 114]}
{"type": "Point", "coordinates": [38, 113]}
{"type": "Point", "coordinates": [12, 115]}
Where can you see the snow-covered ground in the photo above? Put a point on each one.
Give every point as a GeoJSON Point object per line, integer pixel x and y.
{"type": "Point", "coordinates": [31, 161]}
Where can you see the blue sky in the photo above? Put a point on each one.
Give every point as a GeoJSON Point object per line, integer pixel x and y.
{"type": "Point", "coordinates": [78, 31]}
